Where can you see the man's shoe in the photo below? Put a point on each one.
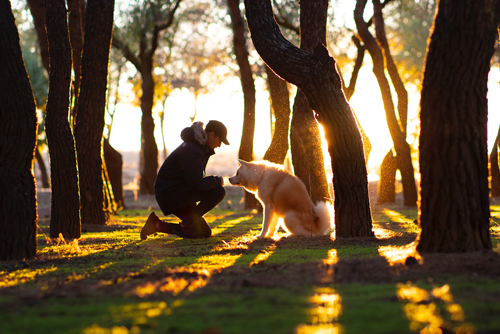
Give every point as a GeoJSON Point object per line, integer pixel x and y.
{"type": "Point", "coordinates": [150, 226]}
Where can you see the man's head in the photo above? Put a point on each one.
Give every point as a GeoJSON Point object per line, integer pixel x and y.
{"type": "Point", "coordinates": [216, 134]}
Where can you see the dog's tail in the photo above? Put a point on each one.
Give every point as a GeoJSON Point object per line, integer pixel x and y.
{"type": "Point", "coordinates": [325, 213]}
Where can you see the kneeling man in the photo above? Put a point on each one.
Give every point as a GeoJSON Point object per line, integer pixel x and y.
{"type": "Point", "coordinates": [181, 187]}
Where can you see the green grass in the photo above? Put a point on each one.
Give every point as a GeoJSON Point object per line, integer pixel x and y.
{"type": "Point", "coordinates": [110, 281]}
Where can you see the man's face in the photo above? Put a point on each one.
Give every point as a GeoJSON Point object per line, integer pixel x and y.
{"type": "Point", "coordinates": [213, 141]}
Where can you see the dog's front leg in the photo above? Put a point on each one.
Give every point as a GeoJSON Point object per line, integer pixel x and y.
{"type": "Point", "coordinates": [268, 216]}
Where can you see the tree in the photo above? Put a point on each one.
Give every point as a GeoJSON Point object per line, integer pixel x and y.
{"type": "Point", "coordinates": [89, 123]}
{"type": "Point", "coordinates": [65, 206]}
{"type": "Point", "coordinates": [280, 103]}
{"type": "Point", "coordinates": [247, 83]}
{"type": "Point", "coordinates": [18, 129]}
{"type": "Point", "coordinates": [494, 169]}
{"type": "Point", "coordinates": [147, 21]}
{"type": "Point", "coordinates": [397, 128]}
{"type": "Point", "coordinates": [305, 138]}
{"type": "Point", "coordinates": [316, 75]}
{"type": "Point", "coordinates": [454, 208]}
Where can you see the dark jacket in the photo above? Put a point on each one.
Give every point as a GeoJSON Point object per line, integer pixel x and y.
{"type": "Point", "coordinates": [183, 172]}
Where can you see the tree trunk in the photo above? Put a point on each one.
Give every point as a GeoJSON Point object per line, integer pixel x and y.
{"type": "Point", "coordinates": [76, 39]}
{"type": "Point", "coordinates": [494, 169]}
{"type": "Point", "coordinates": [65, 208]}
{"type": "Point", "coordinates": [18, 131]}
{"type": "Point", "coordinates": [454, 208]}
{"type": "Point", "coordinates": [37, 9]}
{"type": "Point", "coordinates": [396, 129]}
{"type": "Point", "coordinates": [280, 100]}
{"type": "Point", "coordinates": [305, 138]}
{"type": "Point", "coordinates": [387, 183]}
{"type": "Point", "coordinates": [149, 149]}
{"type": "Point", "coordinates": [316, 75]}
{"type": "Point", "coordinates": [90, 118]}
{"type": "Point", "coordinates": [43, 170]}
{"type": "Point", "coordinates": [247, 83]}
{"type": "Point", "coordinates": [114, 166]}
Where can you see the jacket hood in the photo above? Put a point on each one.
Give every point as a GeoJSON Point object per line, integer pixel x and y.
{"type": "Point", "coordinates": [195, 133]}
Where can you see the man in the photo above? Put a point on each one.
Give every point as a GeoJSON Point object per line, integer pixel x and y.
{"type": "Point", "coordinates": [181, 183]}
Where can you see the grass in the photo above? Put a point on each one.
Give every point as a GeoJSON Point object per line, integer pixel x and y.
{"type": "Point", "coordinates": [109, 281]}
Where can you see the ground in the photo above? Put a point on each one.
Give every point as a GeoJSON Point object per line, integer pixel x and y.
{"type": "Point", "coordinates": [109, 281]}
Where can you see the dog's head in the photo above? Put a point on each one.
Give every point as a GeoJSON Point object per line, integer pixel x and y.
{"type": "Point", "coordinates": [247, 176]}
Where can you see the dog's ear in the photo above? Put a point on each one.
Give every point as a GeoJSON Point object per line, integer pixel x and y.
{"type": "Point", "coordinates": [242, 162]}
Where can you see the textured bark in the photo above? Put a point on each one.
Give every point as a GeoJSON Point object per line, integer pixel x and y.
{"type": "Point", "coordinates": [316, 75]}
{"type": "Point", "coordinates": [143, 62]}
{"type": "Point", "coordinates": [43, 169]}
{"type": "Point", "coordinates": [65, 206]}
{"type": "Point", "coordinates": [37, 9]}
{"type": "Point", "coordinates": [18, 132]}
{"type": "Point", "coordinates": [397, 130]}
{"type": "Point", "coordinates": [305, 138]}
{"type": "Point", "coordinates": [89, 123]}
{"type": "Point", "coordinates": [454, 208]}
{"type": "Point", "coordinates": [387, 183]}
{"type": "Point", "coordinates": [149, 149]}
{"type": "Point", "coordinates": [247, 83]}
{"type": "Point", "coordinates": [76, 39]}
{"type": "Point", "coordinates": [280, 100]}
{"type": "Point", "coordinates": [114, 166]}
{"type": "Point", "coordinates": [494, 169]}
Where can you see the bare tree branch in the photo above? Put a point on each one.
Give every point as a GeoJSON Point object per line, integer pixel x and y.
{"type": "Point", "coordinates": [117, 43]}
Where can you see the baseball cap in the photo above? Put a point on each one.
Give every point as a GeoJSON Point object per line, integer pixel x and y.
{"type": "Point", "coordinates": [219, 129]}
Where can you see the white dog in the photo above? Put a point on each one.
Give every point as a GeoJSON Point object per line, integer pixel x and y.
{"type": "Point", "coordinates": [282, 195]}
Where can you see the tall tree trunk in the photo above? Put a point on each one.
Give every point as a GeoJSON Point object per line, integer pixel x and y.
{"type": "Point", "coordinates": [247, 83]}
{"type": "Point", "coordinates": [37, 8]}
{"type": "Point", "coordinates": [396, 129]}
{"type": "Point", "coordinates": [43, 170]}
{"type": "Point", "coordinates": [76, 39]}
{"type": "Point", "coordinates": [149, 149]}
{"type": "Point", "coordinates": [387, 183]}
{"type": "Point", "coordinates": [65, 208]}
{"type": "Point", "coordinates": [18, 132]}
{"type": "Point", "coordinates": [90, 118]}
{"type": "Point", "coordinates": [280, 100]}
{"type": "Point", "coordinates": [114, 166]}
{"type": "Point", "coordinates": [494, 169]}
{"type": "Point", "coordinates": [454, 208]}
{"type": "Point", "coordinates": [316, 75]}
{"type": "Point", "coordinates": [305, 138]}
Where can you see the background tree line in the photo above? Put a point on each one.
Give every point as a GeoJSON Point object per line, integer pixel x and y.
{"type": "Point", "coordinates": [75, 50]}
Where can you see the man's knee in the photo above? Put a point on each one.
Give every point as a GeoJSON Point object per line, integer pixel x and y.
{"type": "Point", "coordinates": [219, 193]}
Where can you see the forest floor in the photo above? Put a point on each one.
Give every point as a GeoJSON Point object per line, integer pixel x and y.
{"type": "Point", "coordinates": [109, 281]}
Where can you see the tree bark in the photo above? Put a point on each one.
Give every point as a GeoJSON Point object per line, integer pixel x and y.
{"type": "Point", "coordinates": [305, 138]}
{"type": "Point", "coordinates": [92, 101]}
{"type": "Point", "coordinates": [65, 207]}
{"type": "Point", "coordinates": [316, 75]}
{"type": "Point", "coordinates": [76, 39]}
{"type": "Point", "coordinates": [149, 149]}
{"type": "Point", "coordinates": [247, 83]}
{"type": "Point", "coordinates": [18, 136]}
{"type": "Point", "coordinates": [494, 169]}
{"type": "Point", "coordinates": [37, 9]}
{"type": "Point", "coordinates": [280, 100]}
{"type": "Point", "coordinates": [397, 130]}
{"type": "Point", "coordinates": [43, 170]}
{"type": "Point", "coordinates": [387, 183]}
{"type": "Point", "coordinates": [454, 208]}
{"type": "Point", "coordinates": [114, 165]}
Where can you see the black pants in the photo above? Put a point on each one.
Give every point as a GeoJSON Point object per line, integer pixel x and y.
{"type": "Point", "coordinates": [194, 226]}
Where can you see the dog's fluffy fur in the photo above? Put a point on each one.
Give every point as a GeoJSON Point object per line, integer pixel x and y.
{"type": "Point", "coordinates": [282, 195]}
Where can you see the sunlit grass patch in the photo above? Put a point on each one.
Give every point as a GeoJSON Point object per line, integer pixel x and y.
{"type": "Point", "coordinates": [429, 311]}
{"type": "Point", "coordinates": [326, 306]}
{"type": "Point", "coordinates": [9, 279]}
{"type": "Point", "coordinates": [400, 217]}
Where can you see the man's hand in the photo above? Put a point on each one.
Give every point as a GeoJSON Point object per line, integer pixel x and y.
{"type": "Point", "coordinates": [221, 180]}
